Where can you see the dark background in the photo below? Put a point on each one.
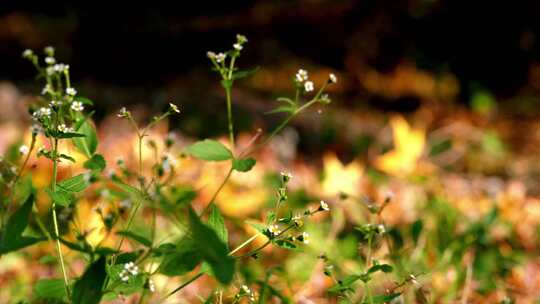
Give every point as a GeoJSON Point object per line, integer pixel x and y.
{"type": "Point", "coordinates": [150, 52]}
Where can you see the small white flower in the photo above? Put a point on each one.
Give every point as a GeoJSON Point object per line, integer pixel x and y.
{"type": "Point", "coordinates": [174, 107]}
{"type": "Point", "coordinates": [131, 268]}
{"type": "Point", "coordinates": [54, 103]}
{"type": "Point", "coordinates": [23, 150]}
{"type": "Point", "coordinates": [241, 38]}
{"type": "Point", "coordinates": [274, 230]}
{"type": "Point", "coordinates": [62, 128]}
{"type": "Point", "coordinates": [381, 229]}
{"type": "Point", "coordinates": [77, 106]}
{"type": "Point", "coordinates": [211, 55]}
{"type": "Point", "coordinates": [124, 276]}
{"type": "Point", "coordinates": [301, 75]}
{"type": "Point", "coordinates": [28, 53]}
{"type": "Point", "coordinates": [324, 206]}
{"type": "Point", "coordinates": [44, 112]}
{"type": "Point", "coordinates": [123, 113]}
{"type": "Point", "coordinates": [308, 86]}
{"type": "Point", "coordinates": [246, 289]}
{"type": "Point", "coordinates": [332, 78]}
{"type": "Point", "coordinates": [71, 91]}
{"type": "Point", "coordinates": [286, 176]}
{"type": "Point", "coordinates": [238, 46]}
{"type": "Point", "coordinates": [220, 57]}
{"type": "Point", "coordinates": [46, 89]}
{"type": "Point", "coordinates": [50, 60]}
{"type": "Point", "coordinates": [49, 70]}
{"type": "Point", "coordinates": [151, 285]}
{"type": "Point", "coordinates": [49, 50]}
{"type": "Point", "coordinates": [324, 99]}
{"type": "Point", "coordinates": [304, 238]}
{"type": "Point", "coordinates": [59, 67]}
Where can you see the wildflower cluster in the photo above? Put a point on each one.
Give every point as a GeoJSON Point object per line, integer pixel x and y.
{"type": "Point", "coordinates": [60, 108]}
{"type": "Point", "coordinates": [245, 292]}
{"type": "Point", "coordinates": [275, 233]}
{"type": "Point", "coordinates": [130, 269]}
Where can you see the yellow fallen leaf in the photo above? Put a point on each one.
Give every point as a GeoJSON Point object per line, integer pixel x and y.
{"type": "Point", "coordinates": [341, 178]}
{"type": "Point", "coordinates": [408, 148]}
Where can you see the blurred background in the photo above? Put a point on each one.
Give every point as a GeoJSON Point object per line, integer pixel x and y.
{"type": "Point", "coordinates": [390, 55]}
{"type": "Point", "coordinates": [437, 103]}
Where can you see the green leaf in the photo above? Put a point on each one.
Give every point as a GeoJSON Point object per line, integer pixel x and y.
{"type": "Point", "coordinates": [65, 156]}
{"type": "Point", "coordinates": [384, 298]}
{"type": "Point", "coordinates": [136, 237]}
{"type": "Point", "coordinates": [212, 249]}
{"type": "Point", "coordinates": [243, 165]}
{"type": "Point", "coordinates": [11, 237]}
{"type": "Point", "coordinates": [216, 222]}
{"type": "Point", "coordinates": [95, 163]}
{"type": "Point", "coordinates": [73, 184]}
{"type": "Point", "coordinates": [85, 100]}
{"type": "Point", "coordinates": [88, 289]}
{"type": "Point", "coordinates": [210, 150]}
{"type": "Point", "coordinates": [345, 284]}
{"type": "Point", "coordinates": [50, 289]}
{"type": "Point", "coordinates": [88, 143]}
{"type": "Point", "coordinates": [286, 100]}
{"type": "Point", "coordinates": [440, 147]}
{"type": "Point", "coordinates": [67, 135]}
{"type": "Point", "coordinates": [135, 194]}
{"type": "Point", "coordinates": [285, 244]}
{"type": "Point", "coordinates": [380, 267]}
{"type": "Point", "coordinates": [244, 73]}
{"type": "Point", "coordinates": [60, 197]}
{"type": "Point", "coordinates": [282, 109]}
{"type": "Point", "coordinates": [184, 259]}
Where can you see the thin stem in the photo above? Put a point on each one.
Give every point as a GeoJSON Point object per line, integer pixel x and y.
{"type": "Point", "coordinates": [217, 192]}
{"type": "Point", "coordinates": [229, 116]}
{"type": "Point", "coordinates": [55, 221]}
{"type": "Point", "coordinates": [140, 154]}
{"type": "Point", "coordinates": [368, 264]}
{"type": "Point", "coordinates": [244, 244]}
{"type": "Point", "coordinates": [191, 280]}
{"type": "Point", "coordinates": [19, 174]}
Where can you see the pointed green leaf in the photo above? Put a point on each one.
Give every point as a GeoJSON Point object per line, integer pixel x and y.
{"type": "Point", "coordinates": [216, 222]}
{"type": "Point", "coordinates": [212, 249]}
{"type": "Point", "coordinates": [88, 289]}
{"type": "Point", "coordinates": [136, 237]}
{"type": "Point", "coordinates": [210, 150]}
{"type": "Point", "coordinates": [183, 259]}
{"type": "Point", "coordinates": [73, 184]}
{"type": "Point", "coordinates": [88, 143]}
{"type": "Point", "coordinates": [243, 165]}
{"type": "Point", "coordinates": [50, 289]}
{"type": "Point", "coordinates": [95, 163]}
{"type": "Point", "coordinates": [11, 237]}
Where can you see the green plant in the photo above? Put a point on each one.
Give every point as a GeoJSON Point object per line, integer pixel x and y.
{"type": "Point", "coordinates": [59, 117]}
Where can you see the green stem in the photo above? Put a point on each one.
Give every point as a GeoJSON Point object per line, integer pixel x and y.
{"type": "Point", "coordinates": [55, 221]}
{"type": "Point", "coordinates": [217, 192]}
{"type": "Point", "coordinates": [244, 244]}
{"type": "Point", "coordinates": [19, 173]}
{"type": "Point", "coordinates": [140, 154]}
{"type": "Point", "coordinates": [191, 280]}
{"type": "Point", "coordinates": [368, 265]}
{"type": "Point", "coordinates": [229, 116]}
